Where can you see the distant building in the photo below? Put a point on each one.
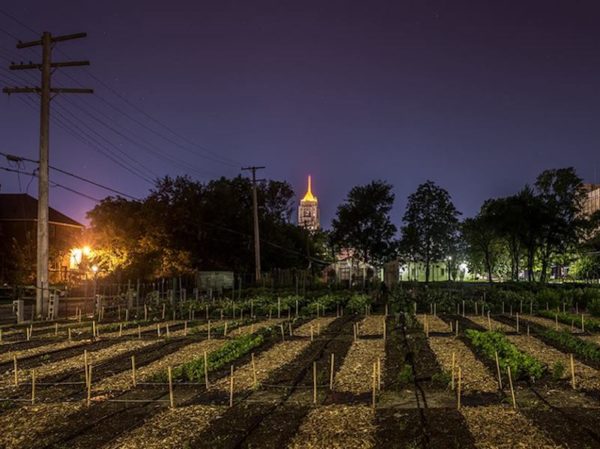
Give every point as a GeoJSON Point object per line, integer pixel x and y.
{"type": "Point", "coordinates": [18, 239]}
{"type": "Point", "coordinates": [308, 211]}
{"type": "Point", "coordinates": [591, 202]}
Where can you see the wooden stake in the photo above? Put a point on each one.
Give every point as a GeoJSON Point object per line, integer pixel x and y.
{"type": "Point", "coordinates": [374, 389]}
{"type": "Point", "coordinates": [512, 390]}
{"type": "Point", "coordinates": [225, 329]}
{"type": "Point", "coordinates": [206, 369]}
{"type": "Point", "coordinates": [209, 329]}
{"type": "Point", "coordinates": [489, 321]}
{"type": "Point", "coordinates": [314, 382]}
{"type": "Point", "coordinates": [171, 398]}
{"type": "Point", "coordinates": [453, 369]}
{"type": "Point", "coordinates": [282, 332]}
{"type": "Point", "coordinates": [164, 311]}
{"type": "Point", "coordinates": [69, 333]}
{"type": "Point", "coordinates": [139, 331]}
{"type": "Point", "coordinates": [318, 329]}
{"type": "Point", "coordinates": [185, 328]}
{"type": "Point", "coordinates": [55, 331]}
{"type": "Point", "coordinates": [168, 333]}
{"type": "Point", "coordinates": [517, 322]}
{"type": "Point", "coordinates": [456, 328]}
{"type": "Point", "coordinates": [331, 371]}
{"type": "Point", "coordinates": [378, 373]}
{"type": "Point", "coordinates": [498, 370]}
{"type": "Point", "coordinates": [231, 388]}
{"type": "Point", "coordinates": [158, 329]}
{"type": "Point", "coordinates": [254, 372]}
{"type": "Point", "coordinates": [145, 312]}
{"type": "Point", "coordinates": [384, 330]}
{"type": "Point", "coordinates": [120, 329]}
{"type": "Point", "coordinates": [459, 388]}
{"type": "Point", "coordinates": [33, 386]}
{"type": "Point", "coordinates": [312, 333]}
{"type": "Point", "coordinates": [89, 386]}
{"type": "Point", "coordinates": [16, 370]}
{"type": "Point", "coordinates": [94, 328]}
{"type": "Point", "coordinates": [133, 373]}
{"type": "Point", "coordinates": [85, 366]}
{"type": "Point", "coordinates": [573, 384]}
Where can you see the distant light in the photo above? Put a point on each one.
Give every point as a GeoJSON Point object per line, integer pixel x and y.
{"type": "Point", "coordinates": [95, 268]}
{"type": "Point", "coordinates": [463, 267]}
{"type": "Point", "coordinates": [86, 250]}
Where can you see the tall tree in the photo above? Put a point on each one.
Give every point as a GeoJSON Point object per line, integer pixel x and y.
{"type": "Point", "coordinates": [363, 223]}
{"type": "Point", "coordinates": [561, 194]}
{"type": "Point", "coordinates": [430, 222]}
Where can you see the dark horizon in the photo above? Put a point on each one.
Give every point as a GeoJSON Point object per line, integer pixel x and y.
{"type": "Point", "coordinates": [478, 98]}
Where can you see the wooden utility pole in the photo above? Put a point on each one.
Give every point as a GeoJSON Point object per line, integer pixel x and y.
{"type": "Point", "coordinates": [256, 231]}
{"type": "Point", "coordinates": [45, 92]}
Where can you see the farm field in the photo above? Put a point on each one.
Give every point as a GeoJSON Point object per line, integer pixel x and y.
{"type": "Point", "coordinates": [332, 381]}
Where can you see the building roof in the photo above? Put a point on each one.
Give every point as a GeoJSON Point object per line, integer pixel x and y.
{"type": "Point", "coordinates": [309, 195]}
{"type": "Point", "coordinates": [23, 207]}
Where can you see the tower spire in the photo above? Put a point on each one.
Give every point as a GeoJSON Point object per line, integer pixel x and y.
{"type": "Point", "coordinates": [309, 195]}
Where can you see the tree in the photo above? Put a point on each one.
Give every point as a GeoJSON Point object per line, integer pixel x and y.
{"type": "Point", "coordinates": [561, 194]}
{"type": "Point", "coordinates": [363, 223]}
{"type": "Point", "coordinates": [482, 237]}
{"type": "Point", "coordinates": [430, 222]}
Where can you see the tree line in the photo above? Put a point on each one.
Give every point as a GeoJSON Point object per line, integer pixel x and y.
{"type": "Point", "coordinates": [524, 235]}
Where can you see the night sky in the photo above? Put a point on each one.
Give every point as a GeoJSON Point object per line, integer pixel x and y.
{"type": "Point", "coordinates": [477, 96]}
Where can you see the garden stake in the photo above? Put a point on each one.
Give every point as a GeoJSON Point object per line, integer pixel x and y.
{"type": "Point", "coordinates": [231, 388]}
{"type": "Point", "coordinates": [386, 310]}
{"type": "Point", "coordinates": [0, 335]}
{"type": "Point", "coordinates": [145, 312]}
{"type": "Point", "coordinates": [452, 369]}
{"type": "Point", "coordinates": [89, 386]}
{"type": "Point", "coordinates": [94, 328]}
{"type": "Point", "coordinates": [171, 398]}
{"type": "Point", "coordinates": [314, 382]}
{"type": "Point", "coordinates": [33, 386]}
{"type": "Point", "coordinates": [164, 311]}
{"type": "Point", "coordinates": [384, 330]}
{"type": "Point", "coordinates": [498, 368]}
{"type": "Point", "coordinates": [312, 336]}
{"type": "Point", "coordinates": [282, 333]}
{"type": "Point", "coordinates": [296, 308]}
{"type": "Point", "coordinates": [451, 327]}
{"type": "Point", "coordinates": [577, 308]}
{"type": "Point", "coordinates": [55, 331]}
{"type": "Point", "coordinates": [290, 328]}
{"type": "Point", "coordinates": [16, 370]}
{"type": "Point", "coordinates": [120, 329]}
{"type": "Point", "coordinates": [378, 373]}
{"type": "Point", "coordinates": [573, 372]}
{"type": "Point", "coordinates": [69, 333]}
{"type": "Point", "coordinates": [517, 322]}
{"type": "Point", "coordinates": [206, 369]}
{"type": "Point", "coordinates": [133, 376]}
{"type": "Point", "coordinates": [139, 331]}
{"type": "Point", "coordinates": [374, 384]}
{"type": "Point", "coordinates": [463, 309]}
{"type": "Point", "coordinates": [168, 333]}
{"type": "Point", "coordinates": [457, 328]}
{"type": "Point", "coordinates": [225, 329]}
{"type": "Point", "coordinates": [85, 365]}
{"type": "Point", "coordinates": [353, 329]}
{"type": "Point", "coordinates": [528, 330]}
{"type": "Point", "coordinates": [126, 315]}
{"type": "Point", "coordinates": [254, 371]}
{"type": "Point", "coordinates": [512, 390]}
{"type": "Point", "coordinates": [318, 329]}
{"type": "Point", "coordinates": [207, 312]}
{"type": "Point", "coordinates": [502, 307]}
{"type": "Point", "coordinates": [185, 327]}
{"type": "Point", "coordinates": [209, 329]}
{"type": "Point", "coordinates": [331, 371]}
{"type": "Point", "coordinates": [158, 329]}
{"type": "Point", "coordinates": [459, 388]}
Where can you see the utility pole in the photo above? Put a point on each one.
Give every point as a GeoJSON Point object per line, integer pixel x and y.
{"type": "Point", "coordinates": [45, 91]}
{"type": "Point", "coordinates": [256, 231]}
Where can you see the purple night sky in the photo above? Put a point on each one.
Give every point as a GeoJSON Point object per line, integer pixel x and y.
{"type": "Point", "coordinates": [476, 96]}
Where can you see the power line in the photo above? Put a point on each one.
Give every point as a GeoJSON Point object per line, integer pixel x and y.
{"type": "Point", "coordinates": [75, 130]}
{"type": "Point", "coordinates": [12, 157]}
{"type": "Point", "coordinates": [54, 184]}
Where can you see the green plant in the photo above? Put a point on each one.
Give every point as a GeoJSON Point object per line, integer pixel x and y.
{"type": "Point", "coordinates": [585, 349]}
{"type": "Point", "coordinates": [521, 364]}
{"type": "Point", "coordinates": [558, 370]}
{"type": "Point", "coordinates": [442, 378]}
{"type": "Point", "coordinates": [405, 376]}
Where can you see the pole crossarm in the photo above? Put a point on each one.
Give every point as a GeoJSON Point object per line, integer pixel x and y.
{"type": "Point", "coordinates": [53, 65]}
{"type": "Point", "coordinates": [54, 90]}
{"type": "Point", "coordinates": [66, 37]}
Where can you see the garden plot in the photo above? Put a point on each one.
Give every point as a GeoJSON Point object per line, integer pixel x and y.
{"type": "Point", "coordinates": [435, 323]}
{"type": "Point", "coordinates": [172, 428]}
{"type": "Point", "coordinates": [498, 427]}
{"type": "Point", "coordinates": [76, 362]}
{"type": "Point", "coordinates": [551, 324]}
{"type": "Point", "coordinates": [497, 326]}
{"type": "Point", "coordinates": [317, 324]}
{"type": "Point", "coordinates": [475, 376]}
{"type": "Point", "coordinates": [37, 350]}
{"type": "Point", "coordinates": [355, 374]}
{"type": "Point", "coordinates": [266, 363]}
{"type": "Point", "coordinates": [251, 328]}
{"type": "Point", "coordinates": [337, 427]}
{"type": "Point", "coordinates": [24, 426]}
{"type": "Point", "coordinates": [371, 325]}
{"type": "Point", "coordinates": [122, 381]}
{"type": "Point", "coordinates": [586, 376]}
{"type": "Point", "coordinates": [134, 330]}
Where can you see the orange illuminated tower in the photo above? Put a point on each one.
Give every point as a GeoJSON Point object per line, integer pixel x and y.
{"type": "Point", "coordinates": [308, 211]}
